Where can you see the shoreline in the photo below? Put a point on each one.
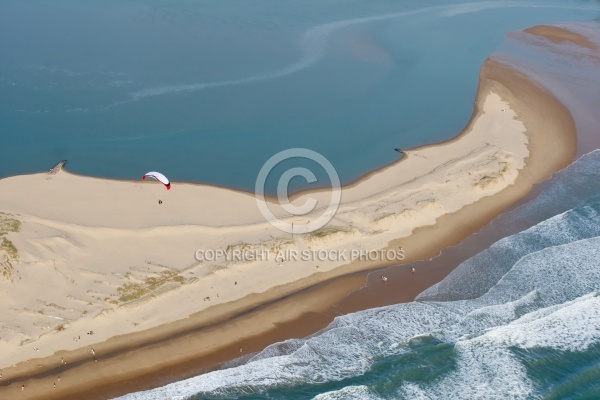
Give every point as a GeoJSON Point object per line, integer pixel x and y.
{"type": "Point", "coordinates": [445, 229]}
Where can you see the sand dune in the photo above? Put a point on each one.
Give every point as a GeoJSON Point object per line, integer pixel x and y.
{"type": "Point", "coordinates": [103, 256]}
{"type": "Point", "coordinates": [85, 255]}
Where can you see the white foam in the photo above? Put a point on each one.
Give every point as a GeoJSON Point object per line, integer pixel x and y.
{"type": "Point", "coordinates": [348, 393]}
{"type": "Point", "coordinates": [487, 368]}
{"type": "Point", "coordinates": [479, 273]}
{"type": "Point", "coordinates": [362, 337]}
{"type": "Point", "coordinates": [572, 326]}
{"type": "Point", "coordinates": [549, 298]}
{"type": "Point", "coordinates": [537, 303]}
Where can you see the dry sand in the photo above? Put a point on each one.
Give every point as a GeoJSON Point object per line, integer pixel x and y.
{"type": "Point", "coordinates": [88, 248]}
{"type": "Point", "coordinates": [102, 255]}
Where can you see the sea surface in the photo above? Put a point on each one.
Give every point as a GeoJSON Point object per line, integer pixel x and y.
{"type": "Point", "coordinates": [519, 320]}
{"type": "Point", "coordinates": [207, 91]}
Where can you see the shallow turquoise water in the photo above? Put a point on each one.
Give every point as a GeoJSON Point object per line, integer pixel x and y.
{"type": "Point", "coordinates": [207, 91]}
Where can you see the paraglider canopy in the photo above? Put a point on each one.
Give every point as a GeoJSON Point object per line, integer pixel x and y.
{"type": "Point", "coordinates": [159, 177]}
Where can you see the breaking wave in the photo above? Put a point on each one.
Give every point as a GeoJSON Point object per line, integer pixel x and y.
{"type": "Point", "coordinates": [530, 304]}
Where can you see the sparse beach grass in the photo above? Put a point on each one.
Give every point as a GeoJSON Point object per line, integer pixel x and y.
{"type": "Point", "coordinates": [134, 291]}
{"type": "Point", "coordinates": [328, 231]}
{"type": "Point", "coordinates": [8, 224]}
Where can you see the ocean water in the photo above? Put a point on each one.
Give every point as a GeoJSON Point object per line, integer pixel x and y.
{"type": "Point", "coordinates": [207, 91]}
{"type": "Point", "coordinates": [519, 320]}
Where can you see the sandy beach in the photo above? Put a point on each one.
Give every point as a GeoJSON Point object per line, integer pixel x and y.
{"type": "Point", "coordinates": [102, 272]}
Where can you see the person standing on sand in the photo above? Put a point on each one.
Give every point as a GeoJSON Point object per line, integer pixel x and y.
{"type": "Point", "coordinates": [413, 270]}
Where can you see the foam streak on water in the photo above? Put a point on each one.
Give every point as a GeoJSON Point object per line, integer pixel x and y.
{"type": "Point", "coordinates": [314, 43]}
{"type": "Point", "coordinates": [207, 91]}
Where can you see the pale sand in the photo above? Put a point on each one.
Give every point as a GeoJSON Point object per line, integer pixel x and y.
{"type": "Point", "coordinates": [82, 238]}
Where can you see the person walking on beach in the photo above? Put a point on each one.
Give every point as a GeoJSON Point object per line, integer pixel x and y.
{"type": "Point", "coordinates": [413, 270]}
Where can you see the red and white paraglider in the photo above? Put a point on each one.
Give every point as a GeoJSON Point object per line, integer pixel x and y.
{"type": "Point", "coordinates": [159, 177]}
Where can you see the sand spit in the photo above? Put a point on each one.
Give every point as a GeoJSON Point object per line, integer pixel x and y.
{"type": "Point", "coordinates": [97, 258]}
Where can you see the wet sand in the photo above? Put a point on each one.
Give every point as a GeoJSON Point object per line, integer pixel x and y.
{"type": "Point", "coordinates": [559, 35]}
{"type": "Point", "coordinates": [179, 350]}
